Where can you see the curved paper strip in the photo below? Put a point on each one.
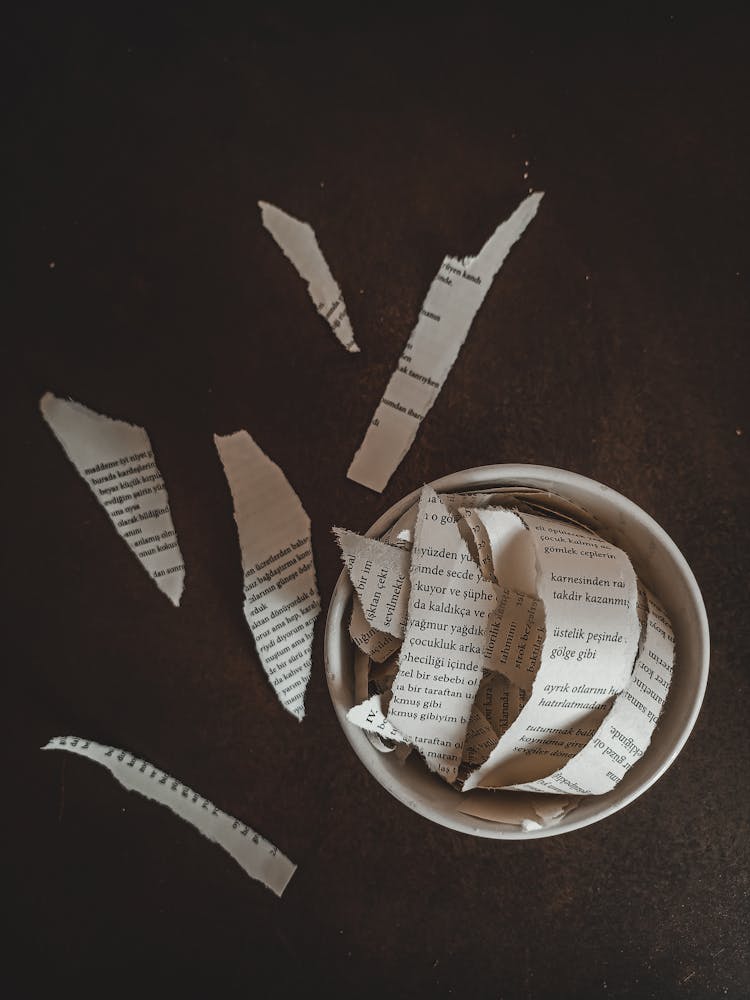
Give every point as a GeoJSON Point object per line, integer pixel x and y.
{"type": "Point", "coordinates": [257, 856]}
{"type": "Point", "coordinates": [625, 734]}
{"type": "Point", "coordinates": [590, 598]}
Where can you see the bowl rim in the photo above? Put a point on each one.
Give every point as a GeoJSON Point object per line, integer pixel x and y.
{"type": "Point", "coordinates": [483, 478]}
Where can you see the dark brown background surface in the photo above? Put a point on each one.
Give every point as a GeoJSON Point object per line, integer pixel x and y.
{"type": "Point", "coordinates": [614, 343]}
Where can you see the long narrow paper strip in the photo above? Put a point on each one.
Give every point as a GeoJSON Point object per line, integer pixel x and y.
{"type": "Point", "coordinates": [281, 594]}
{"type": "Point", "coordinates": [254, 854]}
{"type": "Point", "coordinates": [625, 734]}
{"type": "Point", "coordinates": [448, 311]}
{"type": "Point", "coordinates": [297, 240]}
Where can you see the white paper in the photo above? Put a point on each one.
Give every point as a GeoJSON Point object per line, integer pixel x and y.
{"type": "Point", "coordinates": [500, 701]}
{"type": "Point", "coordinates": [582, 713]}
{"type": "Point", "coordinates": [380, 576]}
{"type": "Point", "coordinates": [378, 645]}
{"type": "Point", "coordinates": [441, 659]}
{"type": "Point", "coordinates": [514, 636]}
{"type": "Point", "coordinates": [500, 499]}
{"type": "Point", "coordinates": [589, 593]}
{"type": "Point", "coordinates": [481, 738]}
{"type": "Point", "coordinates": [117, 462]}
{"type": "Point", "coordinates": [529, 811]}
{"type": "Point", "coordinates": [502, 547]}
{"type": "Point", "coordinates": [625, 734]}
{"type": "Point", "coordinates": [255, 855]}
{"type": "Point", "coordinates": [382, 675]}
{"type": "Point", "coordinates": [447, 313]}
{"type": "Point", "coordinates": [368, 715]}
{"type": "Point", "coordinates": [281, 594]}
{"type": "Point", "coordinates": [297, 240]}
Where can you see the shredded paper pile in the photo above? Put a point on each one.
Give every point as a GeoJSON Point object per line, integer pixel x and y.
{"type": "Point", "coordinates": [509, 645]}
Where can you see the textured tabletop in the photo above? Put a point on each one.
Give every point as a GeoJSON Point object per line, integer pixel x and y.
{"type": "Point", "coordinates": [613, 343]}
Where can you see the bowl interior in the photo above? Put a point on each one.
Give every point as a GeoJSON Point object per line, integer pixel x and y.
{"type": "Point", "coordinates": [656, 560]}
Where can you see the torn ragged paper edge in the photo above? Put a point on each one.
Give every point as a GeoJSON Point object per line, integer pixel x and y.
{"type": "Point", "coordinates": [380, 576]}
{"type": "Point", "coordinates": [453, 299]}
{"type": "Point", "coordinates": [368, 715]}
{"type": "Point", "coordinates": [441, 659]}
{"type": "Point", "coordinates": [361, 691]}
{"type": "Point", "coordinates": [376, 644]}
{"type": "Point", "coordinates": [589, 592]}
{"type": "Point", "coordinates": [116, 460]}
{"type": "Point", "coordinates": [297, 240]}
{"type": "Point", "coordinates": [281, 593]}
{"type": "Point", "coordinates": [530, 811]}
{"type": "Point", "coordinates": [257, 857]}
{"type": "Point", "coordinates": [521, 498]}
{"type": "Point", "coordinates": [445, 631]}
{"type": "Point", "coordinates": [625, 734]}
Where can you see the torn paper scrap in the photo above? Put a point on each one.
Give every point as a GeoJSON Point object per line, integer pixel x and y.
{"type": "Point", "coordinates": [297, 240]}
{"type": "Point", "coordinates": [599, 671]}
{"type": "Point", "coordinates": [447, 313]}
{"type": "Point", "coordinates": [625, 734]}
{"type": "Point", "coordinates": [259, 858]}
{"type": "Point", "coordinates": [514, 636]}
{"type": "Point", "coordinates": [500, 701]}
{"type": "Point", "coordinates": [378, 645]}
{"type": "Point", "coordinates": [513, 639]}
{"type": "Point", "coordinates": [369, 715]}
{"type": "Point", "coordinates": [281, 593]}
{"type": "Point", "coordinates": [380, 576]}
{"type": "Point", "coordinates": [481, 541]}
{"type": "Point", "coordinates": [589, 592]}
{"type": "Point", "coordinates": [116, 460]}
{"type": "Point", "coordinates": [502, 499]}
{"type": "Point", "coordinates": [531, 812]}
{"type": "Point", "coordinates": [402, 532]}
{"type": "Point", "coordinates": [440, 665]}
{"type": "Point", "coordinates": [382, 675]}
{"type": "Point", "coordinates": [481, 738]}
{"type": "Point", "coordinates": [502, 546]}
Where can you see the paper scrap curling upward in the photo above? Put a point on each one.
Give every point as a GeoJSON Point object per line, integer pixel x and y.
{"type": "Point", "coordinates": [297, 240]}
{"type": "Point", "coordinates": [626, 732]}
{"type": "Point", "coordinates": [116, 460]}
{"type": "Point", "coordinates": [589, 591]}
{"type": "Point", "coordinates": [452, 301]}
{"type": "Point", "coordinates": [281, 594]}
{"type": "Point", "coordinates": [255, 855]}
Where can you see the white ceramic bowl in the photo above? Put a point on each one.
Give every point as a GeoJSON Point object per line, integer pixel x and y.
{"type": "Point", "coordinates": [657, 561]}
